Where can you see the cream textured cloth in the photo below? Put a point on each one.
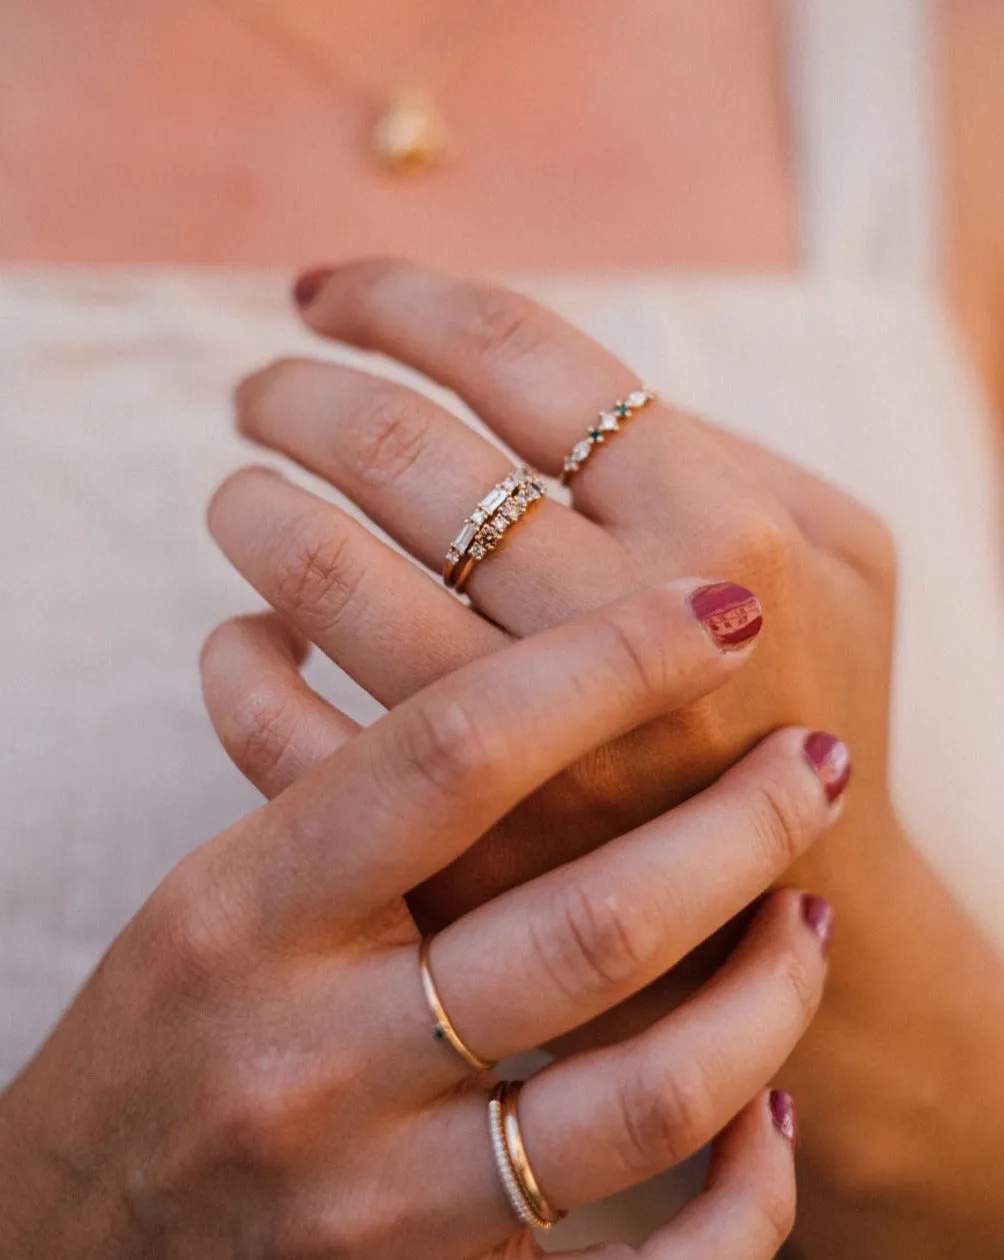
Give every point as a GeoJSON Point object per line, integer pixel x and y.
{"type": "Point", "coordinates": [114, 416]}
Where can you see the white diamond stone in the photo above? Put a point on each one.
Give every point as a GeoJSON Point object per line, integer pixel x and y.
{"type": "Point", "coordinates": [500, 523]}
{"type": "Point", "coordinates": [466, 536]}
{"type": "Point", "coordinates": [580, 452]}
{"type": "Point", "coordinates": [479, 517]}
{"type": "Point", "coordinates": [453, 555]}
{"type": "Point", "coordinates": [478, 552]}
{"type": "Point", "coordinates": [533, 492]}
{"type": "Point", "coordinates": [637, 398]}
{"type": "Point", "coordinates": [609, 422]}
{"type": "Point", "coordinates": [493, 499]}
{"type": "Point", "coordinates": [512, 509]}
{"type": "Point", "coordinates": [521, 500]}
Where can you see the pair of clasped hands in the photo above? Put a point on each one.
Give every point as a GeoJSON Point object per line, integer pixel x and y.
{"type": "Point", "coordinates": [584, 774]}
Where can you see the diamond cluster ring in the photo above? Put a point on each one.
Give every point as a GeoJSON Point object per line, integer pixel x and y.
{"type": "Point", "coordinates": [482, 532]}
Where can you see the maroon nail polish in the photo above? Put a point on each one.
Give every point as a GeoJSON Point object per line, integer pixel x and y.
{"type": "Point", "coordinates": [730, 613]}
{"type": "Point", "coordinates": [307, 285]}
{"type": "Point", "coordinates": [818, 915]}
{"type": "Point", "coordinates": [831, 760]}
{"type": "Point", "coordinates": [782, 1112]}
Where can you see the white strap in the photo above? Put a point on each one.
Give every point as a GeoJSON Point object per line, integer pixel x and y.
{"type": "Point", "coordinates": [864, 104]}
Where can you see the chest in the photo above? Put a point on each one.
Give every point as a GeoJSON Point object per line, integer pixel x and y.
{"type": "Point", "coordinates": [580, 135]}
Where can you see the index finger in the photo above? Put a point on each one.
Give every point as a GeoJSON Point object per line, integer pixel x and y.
{"type": "Point", "coordinates": [404, 798]}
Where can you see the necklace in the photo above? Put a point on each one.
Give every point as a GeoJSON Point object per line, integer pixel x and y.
{"type": "Point", "coordinates": [407, 129]}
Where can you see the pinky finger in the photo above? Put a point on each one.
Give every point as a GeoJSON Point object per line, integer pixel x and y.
{"type": "Point", "coordinates": [272, 725]}
{"type": "Point", "coordinates": [747, 1207]}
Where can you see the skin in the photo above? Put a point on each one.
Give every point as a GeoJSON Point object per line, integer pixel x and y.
{"type": "Point", "coordinates": [824, 572]}
{"type": "Point", "coordinates": [267, 162]}
{"type": "Point", "coordinates": [193, 1103]}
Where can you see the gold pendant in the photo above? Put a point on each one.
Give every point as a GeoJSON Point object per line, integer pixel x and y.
{"type": "Point", "coordinates": [409, 134]}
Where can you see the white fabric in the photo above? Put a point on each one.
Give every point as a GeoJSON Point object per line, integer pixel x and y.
{"type": "Point", "coordinates": [114, 414]}
{"type": "Point", "coordinates": [864, 124]}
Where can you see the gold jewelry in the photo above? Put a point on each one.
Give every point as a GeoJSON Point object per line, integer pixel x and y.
{"type": "Point", "coordinates": [408, 131]}
{"type": "Point", "coordinates": [482, 532]}
{"type": "Point", "coordinates": [444, 1029]}
{"type": "Point", "coordinates": [609, 423]}
{"type": "Point", "coordinates": [517, 1177]}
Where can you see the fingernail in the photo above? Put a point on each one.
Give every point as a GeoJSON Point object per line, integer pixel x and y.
{"type": "Point", "coordinates": [831, 760]}
{"type": "Point", "coordinates": [784, 1115]}
{"type": "Point", "coordinates": [308, 283]}
{"type": "Point", "coordinates": [730, 613]}
{"type": "Point", "coordinates": [818, 915]}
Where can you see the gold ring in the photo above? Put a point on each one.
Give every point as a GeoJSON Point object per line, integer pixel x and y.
{"type": "Point", "coordinates": [443, 1029]}
{"type": "Point", "coordinates": [609, 423]}
{"type": "Point", "coordinates": [482, 532]}
{"type": "Point", "coordinates": [517, 1177]}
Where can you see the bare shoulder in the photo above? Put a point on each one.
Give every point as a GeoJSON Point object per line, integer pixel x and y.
{"type": "Point", "coordinates": [972, 41]}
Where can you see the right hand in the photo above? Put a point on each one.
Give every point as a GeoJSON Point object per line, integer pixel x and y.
{"type": "Point", "coordinates": [252, 1072]}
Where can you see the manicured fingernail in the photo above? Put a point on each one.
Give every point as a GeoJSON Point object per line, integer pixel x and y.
{"type": "Point", "coordinates": [730, 613]}
{"type": "Point", "coordinates": [307, 285]}
{"type": "Point", "coordinates": [818, 915]}
{"type": "Point", "coordinates": [831, 760]}
{"type": "Point", "coordinates": [782, 1112]}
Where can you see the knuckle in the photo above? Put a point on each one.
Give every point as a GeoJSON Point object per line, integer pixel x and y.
{"type": "Point", "coordinates": [759, 544]}
{"type": "Point", "coordinates": [801, 981]}
{"type": "Point", "coordinates": [640, 653]}
{"type": "Point", "coordinates": [447, 745]}
{"type": "Point", "coordinates": [595, 941]}
{"type": "Point", "coordinates": [779, 821]}
{"type": "Point", "coordinates": [195, 930]}
{"type": "Point", "coordinates": [393, 436]}
{"type": "Point", "coordinates": [259, 729]}
{"type": "Point", "coordinates": [317, 574]}
{"type": "Point", "coordinates": [664, 1118]}
{"type": "Point", "coordinates": [255, 1122]}
{"type": "Point", "coordinates": [504, 327]}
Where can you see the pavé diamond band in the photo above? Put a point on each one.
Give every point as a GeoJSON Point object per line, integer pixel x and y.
{"type": "Point", "coordinates": [500, 509]}
{"type": "Point", "coordinates": [518, 1179]}
{"type": "Point", "coordinates": [608, 423]}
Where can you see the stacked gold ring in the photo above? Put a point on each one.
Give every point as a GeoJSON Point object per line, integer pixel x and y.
{"type": "Point", "coordinates": [483, 531]}
{"type": "Point", "coordinates": [443, 1029]}
{"type": "Point", "coordinates": [515, 1172]}
{"type": "Point", "coordinates": [608, 423]}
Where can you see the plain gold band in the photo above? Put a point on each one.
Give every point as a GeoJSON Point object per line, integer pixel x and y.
{"type": "Point", "coordinates": [508, 1098]}
{"type": "Point", "coordinates": [444, 1029]}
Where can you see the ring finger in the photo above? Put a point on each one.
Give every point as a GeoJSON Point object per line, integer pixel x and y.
{"type": "Point", "coordinates": [418, 472]}
{"type": "Point", "coordinates": [598, 1123]}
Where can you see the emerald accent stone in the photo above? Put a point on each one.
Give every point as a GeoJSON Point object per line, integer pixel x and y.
{"type": "Point", "coordinates": [622, 409]}
{"type": "Point", "coordinates": [595, 435]}
{"type": "Point", "coordinates": [438, 1033]}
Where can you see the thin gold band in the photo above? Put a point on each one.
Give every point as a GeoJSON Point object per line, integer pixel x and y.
{"type": "Point", "coordinates": [517, 1177]}
{"type": "Point", "coordinates": [520, 1160]}
{"type": "Point", "coordinates": [483, 531]}
{"type": "Point", "coordinates": [609, 423]}
{"type": "Point", "coordinates": [443, 1029]}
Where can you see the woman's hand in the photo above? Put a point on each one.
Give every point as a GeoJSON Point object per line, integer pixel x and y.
{"type": "Point", "coordinates": [667, 496]}
{"type": "Point", "coordinates": [253, 1071]}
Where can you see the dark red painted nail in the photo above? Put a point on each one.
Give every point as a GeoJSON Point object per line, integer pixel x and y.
{"type": "Point", "coordinates": [730, 613]}
{"type": "Point", "coordinates": [818, 915]}
{"type": "Point", "coordinates": [784, 1115]}
{"type": "Point", "coordinates": [307, 285]}
{"type": "Point", "coordinates": [831, 760]}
